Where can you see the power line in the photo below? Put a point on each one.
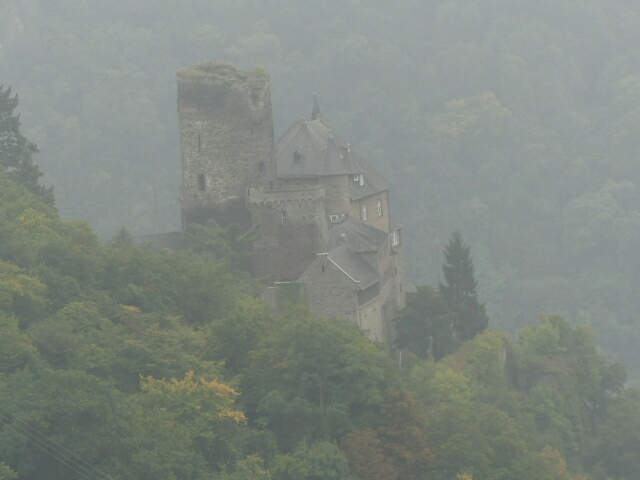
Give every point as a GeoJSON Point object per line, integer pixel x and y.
{"type": "Point", "coordinates": [61, 454]}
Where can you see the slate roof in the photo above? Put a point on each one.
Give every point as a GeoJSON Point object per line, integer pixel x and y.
{"type": "Point", "coordinates": [309, 149]}
{"type": "Point", "coordinates": [353, 265]}
{"type": "Point", "coordinates": [358, 235]}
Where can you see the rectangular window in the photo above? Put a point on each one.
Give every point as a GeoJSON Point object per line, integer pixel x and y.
{"type": "Point", "coordinates": [379, 208]}
{"type": "Point", "coordinates": [362, 179]}
{"type": "Point", "coordinates": [283, 217]}
{"type": "Point", "coordinates": [201, 183]}
{"type": "Point", "coordinates": [356, 178]}
{"type": "Point", "coordinates": [364, 213]}
{"type": "Point", "coordinates": [334, 218]}
{"type": "Point", "coordinates": [396, 237]}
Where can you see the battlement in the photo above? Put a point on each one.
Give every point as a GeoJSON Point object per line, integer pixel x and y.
{"type": "Point", "coordinates": [259, 197]}
{"type": "Point", "coordinates": [210, 84]}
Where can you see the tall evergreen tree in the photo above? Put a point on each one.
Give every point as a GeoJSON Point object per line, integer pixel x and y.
{"type": "Point", "coordinates": [16, 151]}
{"type": "Point", "coordinates": [470, 317]}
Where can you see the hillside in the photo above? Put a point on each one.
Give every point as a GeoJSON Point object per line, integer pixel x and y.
{"type": "Point", "coordinates": [128, 362]}
{"type": "Point", "coordinates": [514, 122]}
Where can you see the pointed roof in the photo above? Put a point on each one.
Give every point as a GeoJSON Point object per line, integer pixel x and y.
{"type": "Point", "coordinates": [323, 153]}
{"type": "Point", "coordinates": [315, 113]}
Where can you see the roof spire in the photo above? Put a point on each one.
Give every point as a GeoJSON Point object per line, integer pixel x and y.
{"type": "Point", "coordinates": [316, 113]}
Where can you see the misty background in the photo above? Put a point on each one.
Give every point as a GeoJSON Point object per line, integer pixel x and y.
{"type": "Point", "coordinates": [515, 121]}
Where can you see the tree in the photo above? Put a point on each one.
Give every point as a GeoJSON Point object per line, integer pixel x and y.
{"type": "Point", "coordinates": [425, 325]}
{"type": "Point", "coordinates": [6, 473]}
{"type": "Point", "coordinates": [313, 379]}
{"type": "Point", "coordinates": [16, 151]}
{"type": "Point", "coordinates": [470, 317]}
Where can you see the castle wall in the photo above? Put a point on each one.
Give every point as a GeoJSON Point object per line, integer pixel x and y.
{"type": "Point", "coordinates": [337, 198]}
{"type": "Point", "coordinates": [370, 320]}
{"type": "Point", "coordinates": [381, 222]}
{"type": "Point", "coordinates": [400, 272]}
{"type": "Point", "coordinates": [330, 293]}
{"type": "Point", "coordinates": [292, 230]}
{"type": "Point", "coordinates": [226, 130]}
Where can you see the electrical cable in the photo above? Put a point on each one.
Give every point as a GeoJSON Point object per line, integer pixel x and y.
{"type": "Point", "coordinates": [63, 455]}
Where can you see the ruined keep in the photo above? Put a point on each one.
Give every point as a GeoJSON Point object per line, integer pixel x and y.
{"type": "Point", "coordinates": [323, 211]}
{"type": "Point", "coordinates": [226, 132]}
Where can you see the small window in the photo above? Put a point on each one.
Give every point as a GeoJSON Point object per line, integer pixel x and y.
{"type": "Point", "coordinates": [364, 213]}
{"type": "Point", "coordinates": [379, 208]}
{"type": "Point", "coordinates": [201, 183]}
{"type": "Point", "coordinates": [362, 179]}
{"type": "Point", "coordinates": [334, 218]}
{"type": "Point", "coordinates": [297, 157]}
{"type": "Point", "coordinates": [356, 178]}
{"type": "Point", "coordinates": [396, 237]}
{"type": "Point", "coordinates": [283, 217]}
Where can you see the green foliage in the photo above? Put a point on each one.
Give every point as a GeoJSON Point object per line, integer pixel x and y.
{"type": "Point", "coordinates": [6, 473]}
{"type": "Point", "coordinates": [620, 437]}
{"type": "Point", "coordinates": [16, 151]}
{"type": "Point", "coordinates": [425, 326]}
{"type": "Point", "coordinates": [155, 365]}
{"type": "Point", "coordinates": [227, 244]}
{"type": "Point", "coordinates": [313, 379]}
{"type": "Point", "coordinates": [469, 316]}
{"type": "Point", "coordinates": [317, 461]}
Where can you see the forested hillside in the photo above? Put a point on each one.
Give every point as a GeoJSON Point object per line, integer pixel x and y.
{"type": "Point", "coordinates": [132, 363]}
{"type": "Point", "coordinates": [513, 121]}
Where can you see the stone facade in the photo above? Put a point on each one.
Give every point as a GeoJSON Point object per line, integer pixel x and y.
{"type": "Point", "coordinates": [323, 211]}
{"type": "Point", "coordinates": [226, 132]}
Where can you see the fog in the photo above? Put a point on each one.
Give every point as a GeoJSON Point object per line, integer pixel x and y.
{"type": "Point", "coordinates": [515, 122]}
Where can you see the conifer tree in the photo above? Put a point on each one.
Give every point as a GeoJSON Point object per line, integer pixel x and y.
{"type": "Point", "coordinates": [470, 316]}
{"type": "Point", "coordinates": [16, 151]}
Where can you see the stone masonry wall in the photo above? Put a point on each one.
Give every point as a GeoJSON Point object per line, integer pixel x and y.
{"type": "Point", "coordinates": [292, 230]}
{"type": "Point", "coordinates": [330, 293]}
{"type": "Point", "coordinates": [226, 130]}
{"type": "Point", "coordinates": [379, 221]}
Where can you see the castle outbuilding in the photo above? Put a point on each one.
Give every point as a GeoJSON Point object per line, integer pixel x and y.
{"type": "Point", "coordinates": [323, 211]}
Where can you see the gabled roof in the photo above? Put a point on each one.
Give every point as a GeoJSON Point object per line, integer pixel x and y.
{"type": "Point", "coordinates": [352, 265]}
{"type": "Point", "coordinates": [358, 235]}
{"type": "Point", "coordinates": [320, 152]}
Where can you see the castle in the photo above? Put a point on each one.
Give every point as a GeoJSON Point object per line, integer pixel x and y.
{"type": "Point", "coordinates": [324, 212]}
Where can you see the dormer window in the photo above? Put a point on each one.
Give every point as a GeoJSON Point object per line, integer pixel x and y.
{"type": "Point", "coordinates": [362, 179]}
{"type": "Point", "coordinates": [356, 178]}
{"type": "Point", "coordinates": [297, 157]}
{"type": "Point", "coordinates": [396, 238]}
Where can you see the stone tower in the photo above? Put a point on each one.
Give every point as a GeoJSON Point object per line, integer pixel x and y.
{"type": "Point", "coordinates": [226, 130]}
